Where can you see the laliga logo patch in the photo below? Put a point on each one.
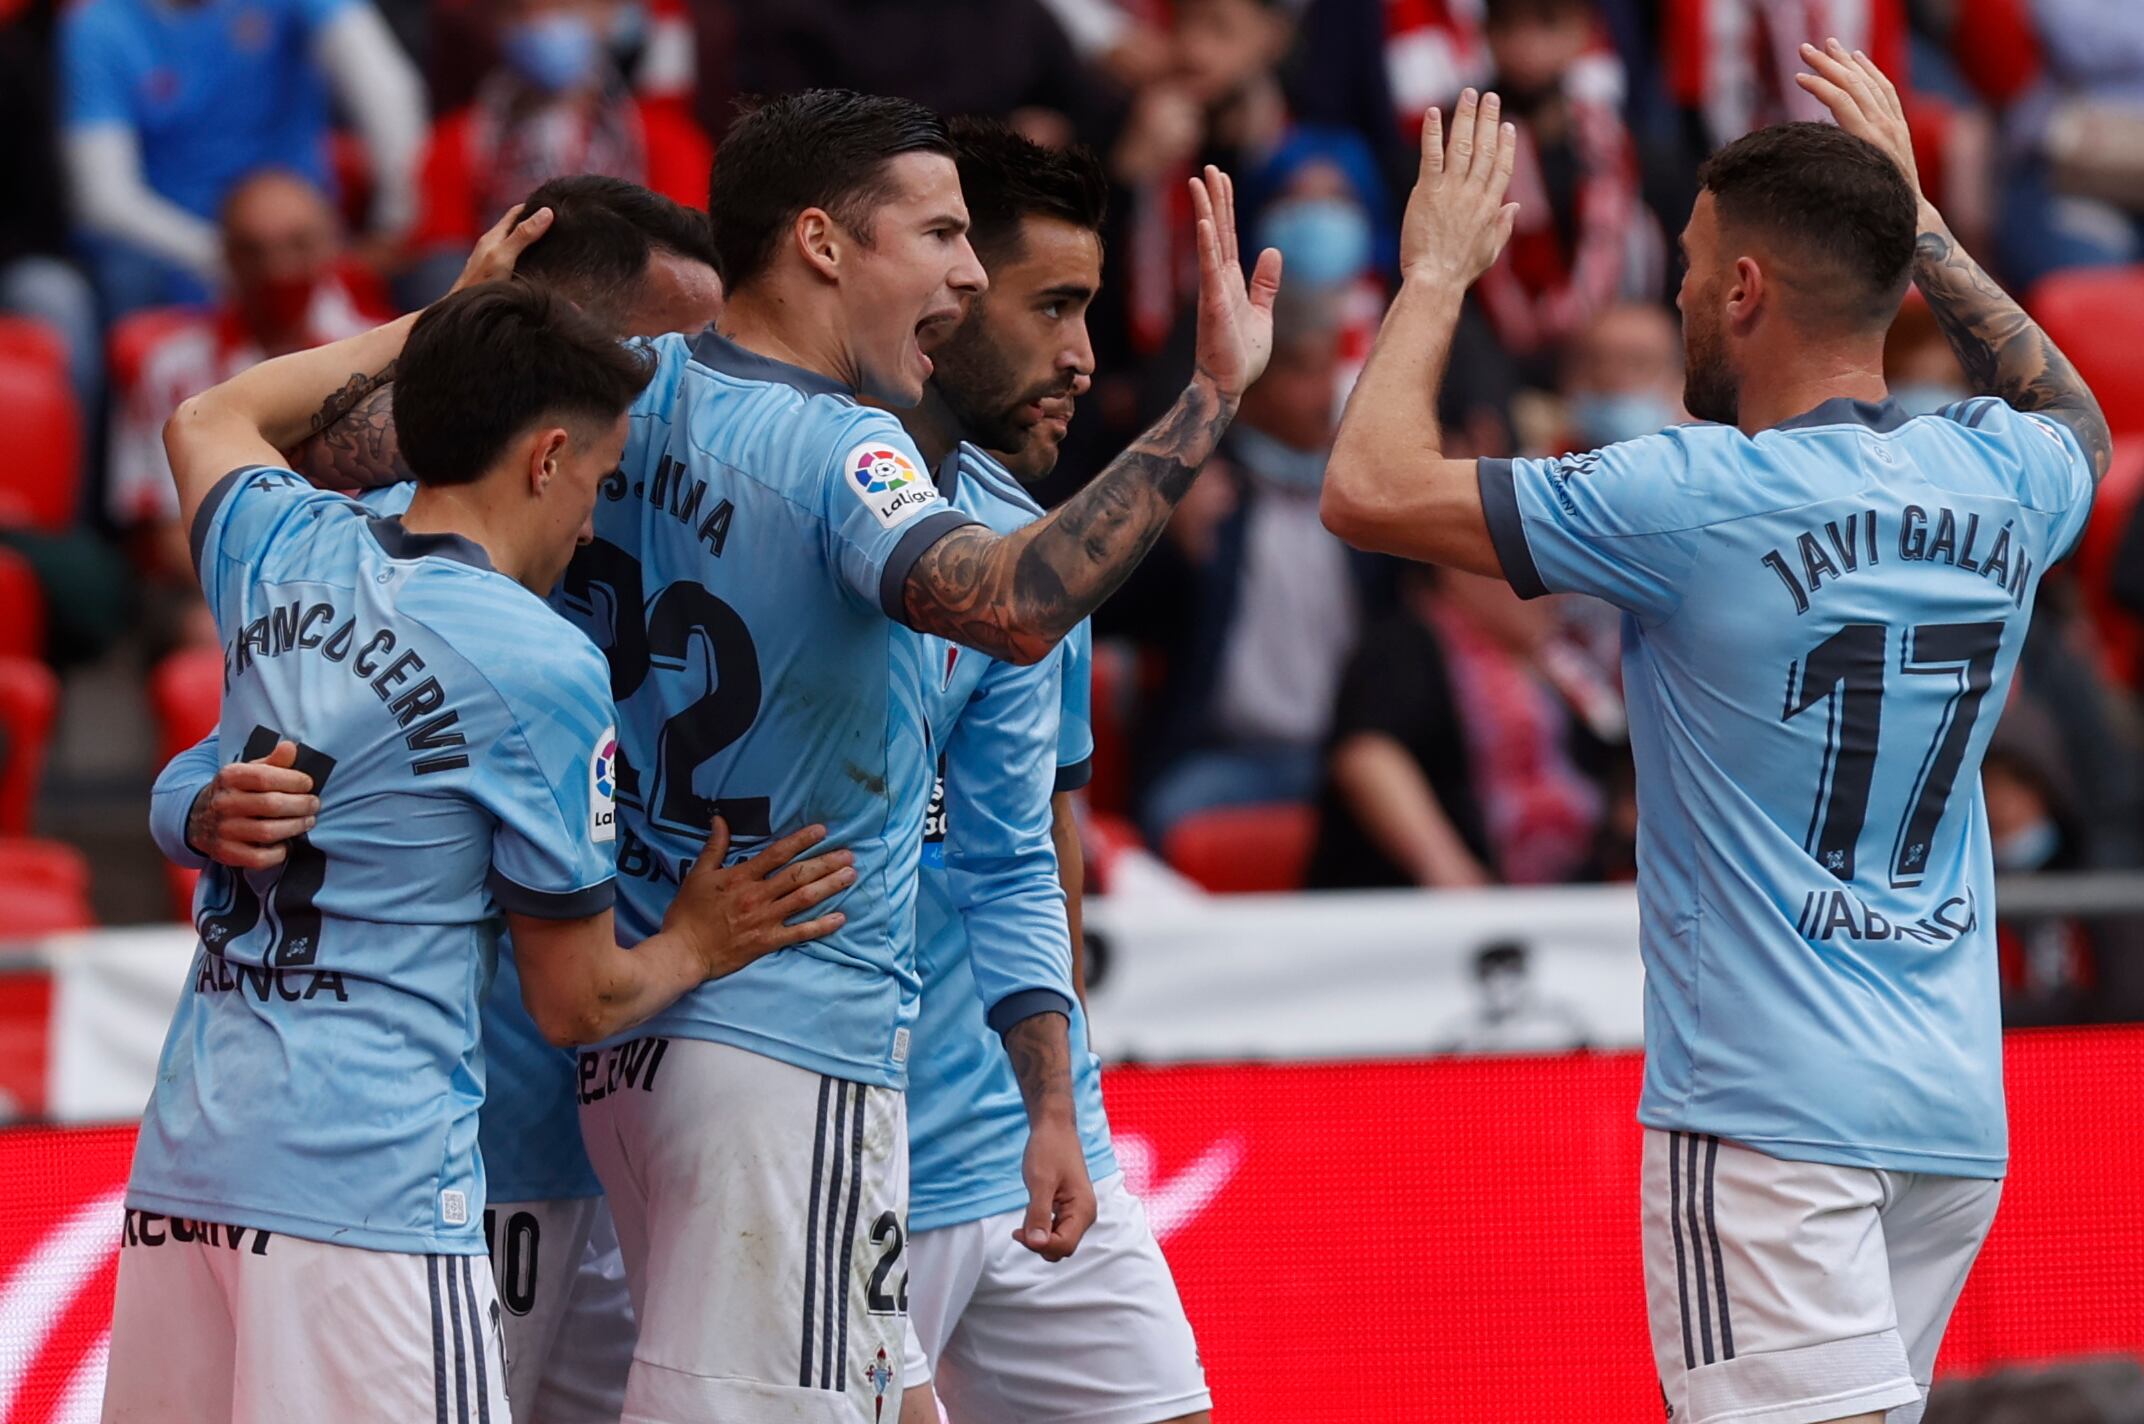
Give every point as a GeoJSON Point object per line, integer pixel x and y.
{"type": "Point", "coordinates": [888, 483]}
{"type": "Point", "coordinates": [602, 786]}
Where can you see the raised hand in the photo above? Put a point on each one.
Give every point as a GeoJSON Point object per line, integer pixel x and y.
{"type": "Point", "coordinates": [738, 913]}
{"type": "Point", "coordinates": [1235, 333]}
{"type": "Point", "coordinates": [1457, 221]}
{"type": "Point", "coordinates": [1862, 100]}
{"type": "Point", "coordinates": [497, 251]}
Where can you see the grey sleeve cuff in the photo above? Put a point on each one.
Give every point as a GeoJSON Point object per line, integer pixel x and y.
{"type": "Point", "coordinates": [925, 532]}
{"type": "Point", "coordinates": [205, 513]}
{"type": "Point", "coordinates": [1014, 1009]}
{"type": "Point", "coordinates": [552, 904]}
{"type": "Point", "coordinates": [1074, 776]}
{"type": "Point", "coordinates": [1500, 503]}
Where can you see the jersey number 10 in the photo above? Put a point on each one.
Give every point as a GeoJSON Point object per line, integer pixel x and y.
{"type": "Point", "coordinates": [1845, 673]}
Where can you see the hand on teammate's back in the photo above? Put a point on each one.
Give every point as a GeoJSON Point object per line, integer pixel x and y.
{"type": "Point", "coordinates": [243, 817]}
{"type": "Point", "coordinates": [1457, 221]}
{"type": "Point", "coordinates": [1863, 101]}
{"type": "Point", "coordinates": [1235, 331]}
{"type": "Point", "coordinates": [734, 914]}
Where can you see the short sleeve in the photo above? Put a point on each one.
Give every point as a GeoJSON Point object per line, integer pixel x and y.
{"type": "Point", "coordinates": [1618, 522]}
{"type": "Point", "coordinates": [2070, 471]}
{"type": "Point", "coordinates": [1075, 710]}
{"type": "Point", "coordinates": [549, 784]}
{"type": "Point", "coordinates": [243, 520]}
{"type": "Point", "coordinates": [881, 510]}
{"type": "Point", "coordinates": [94, 73]}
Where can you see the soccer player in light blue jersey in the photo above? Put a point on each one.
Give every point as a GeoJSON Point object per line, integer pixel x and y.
{"type": "Point", "coordinates": [1824, 602]}
{"type": "Point", "coordinates": [1001, 1329]}
{"type": "Point", "coordinates": [764, 559]}
{"type": "Point", "coordinates": [640, 265]}
{"type": "Point", "coordinates": [306, 1190]}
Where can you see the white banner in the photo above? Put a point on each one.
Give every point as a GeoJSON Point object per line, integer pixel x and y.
{"type": "Point", "coordinates": [1372, 975]}
{"type": "Point", "coordinates": [1391, 974]}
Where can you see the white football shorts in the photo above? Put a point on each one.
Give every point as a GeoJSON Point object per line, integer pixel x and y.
{"type": "Point", "coordinates": [1794, 1292]}
{"type": "Point", "coordinates": [761, 1210]}
{"type": "Point", "coordinates": [1009, 1338]}
{"type": "Point", "coordinates": [568, 1316]}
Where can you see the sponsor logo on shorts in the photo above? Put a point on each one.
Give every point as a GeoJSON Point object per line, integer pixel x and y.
{"type": "Point", "coordinates": [148, 1228]}
{"type": "Point", "coordinates": [603, 787]}
{"type": "Point", "coordinates": [888, 483]}
{"type": "Point", "coordinates": [628, 1065]}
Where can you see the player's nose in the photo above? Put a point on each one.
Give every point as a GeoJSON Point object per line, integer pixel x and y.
{"type": "Point", "coordinates": [968, 276]}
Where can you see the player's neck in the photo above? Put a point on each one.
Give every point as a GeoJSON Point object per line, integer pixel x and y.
{"type": "Point", "coordinates": [469, 511]}
{"type": "Point", "coordinates": [765, 320]}
{"type": "Point", "coordinates": [1797, 384]}
{"type": "Point", "coordinates": [931, 423]}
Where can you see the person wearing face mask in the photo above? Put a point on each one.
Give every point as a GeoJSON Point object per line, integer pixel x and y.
{"type": "Point", "coordinates": [291, 288]}
{"type": "Point", "coordinates": [1622, 377]}
{"type": "Point", "coordinates": [555, 104]}
{"type": "Point", "coordinates": [1583, 238]}
{"type": "Point", "coordinates": [1272, 600]}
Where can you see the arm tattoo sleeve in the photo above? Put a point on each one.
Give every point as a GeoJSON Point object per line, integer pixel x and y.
{"type": "Point", "coordinates": [2003, 350]}
{"type": "Point", "coordinates": [1040, 1047]}
{"type": "Point", "coordinates": [1014, 596]}
{"type": "Point", "coordinates": [352, 445]}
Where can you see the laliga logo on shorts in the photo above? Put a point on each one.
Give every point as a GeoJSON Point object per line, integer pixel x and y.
{"type": "Point", "coordinates": [881, 471]}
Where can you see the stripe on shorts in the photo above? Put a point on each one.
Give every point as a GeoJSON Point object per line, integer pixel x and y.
{"type": "Point", "coordinates": [476, 1339]}
{"type": "Point", "coordinates": [1697, 1250]}
{"type": "Point", "coordinates": [1682, 1279]}
{"type": "Point", "coordinates": [831, 1299]}
{"type": "Point", "coordinates": [848, 1231]}
{"type": "Point", "coordinates": [1719, 1263]}
{"type": "Point", "coordinates": [461, 1357]}
{"type": "Point", "coordinates": [439, 1343]}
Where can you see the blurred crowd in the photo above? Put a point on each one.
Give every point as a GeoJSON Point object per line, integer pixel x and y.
{"type": "Point", "coordinates": [189, 186]}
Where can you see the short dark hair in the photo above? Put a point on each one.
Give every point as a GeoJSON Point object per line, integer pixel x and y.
{"type": "Point", "coordinates": [1006, 178]}
{"type": "Point", "coordinates": [821, 148]}
{"type": "Point", "coordinates": [1831, 198]}
{"type": "Point", "coordinates": [603, 231]}
{"type": "Point", "coordinates": [485, 365]}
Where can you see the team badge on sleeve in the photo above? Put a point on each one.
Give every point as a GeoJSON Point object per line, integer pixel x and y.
{"type": "Point", "coordinates": [602, 787]}
{"type": "Point", "coordinates": [888, 483]}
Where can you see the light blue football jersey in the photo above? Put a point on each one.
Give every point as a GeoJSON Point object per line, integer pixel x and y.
{"type": "Point", "coordinates": [1821, 627]}
{"type": "Point", "coordinates": [745, 581]}
{"type": "Point", "coordinates": [1011, 736]}
{"type": "Point", "coordinates": [323, 1073]}
{"type": "Point", "coordinates": [529, 1130]}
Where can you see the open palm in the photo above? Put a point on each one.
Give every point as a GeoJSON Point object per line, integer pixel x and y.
{"type": "Point", "coordinates": [1235, 335]}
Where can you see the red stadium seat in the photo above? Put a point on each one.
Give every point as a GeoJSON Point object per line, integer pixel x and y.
{"type": "Point", "coordinates": [186, 692]}
{"type": "Point", "coordinates": [2121, 634]}
{"type": "Point", "coordinates": [29, 698]}
{"type": "Point", "coordinates": [38, 479]}
{"type": "Point", "coordinates": [1996, 47]}
{"type": "Point", "coordinates": [1110, 787]}
{"type": "Point", "coordinates": [27, 910]}
{"type": "Point", "coordinates": [1244, 849]}
{"type": "Point", "coordinates": [134, 336]}
{"type": "Point", "coordinates": [44, 887]}
{"type": "Point", "coordinates": [28, 339]}
{"type": "Point", "coordinates": [2094, 314]}
{"type": "Point", "coordinates": [22, 608]}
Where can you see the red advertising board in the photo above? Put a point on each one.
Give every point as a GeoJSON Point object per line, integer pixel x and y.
{"type": "Point", "coordinates": [1440, 1240]}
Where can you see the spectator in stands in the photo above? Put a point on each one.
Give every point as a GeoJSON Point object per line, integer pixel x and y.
{"type": "Point", "coordinates": [1463, 749]}
{"type": "Point", "coordinates": [556, 104]}
{"type": "Point", "coordinates": [2076, 195]}
{"type": "Point", "coordinates": [170, 103]}
{"type": "Point", "coordinates": [1583, 237]}
{"type": "Point", "coordinates": [1622, 377]}
{"type": "Point", "coordinates": [290, 288]}
{"type": "Point", "coordinates": [36, 279]}
{"type": "Point", "coordinates": [1271, 598]}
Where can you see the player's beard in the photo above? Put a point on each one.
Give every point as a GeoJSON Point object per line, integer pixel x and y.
{"type": "Point", "coordinates": [1710, 389]}
{"type": "Point", "coordinates": [975, 379]}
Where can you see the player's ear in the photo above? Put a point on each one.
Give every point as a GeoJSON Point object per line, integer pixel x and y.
{"type": "Point", "coordinates": [546, 452]}
{"type": "Point", "coordinates": [820, 241]}
{"type": "Point", "coordinates": [1747, 293]}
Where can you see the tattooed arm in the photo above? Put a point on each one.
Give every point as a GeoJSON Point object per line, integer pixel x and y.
{"type": "Point", "coordinates": [1014, 596]}
{"type": "Point", "coordinates": [352, 445]}
{"type": "Point", "coordinates": [2004, 351]}
{"type": "Point", "coordinates": [1060, 1204]}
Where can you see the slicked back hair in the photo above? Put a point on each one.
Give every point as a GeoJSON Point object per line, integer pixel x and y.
{"type": "Point", "coordinates": [485, 365]}
{"type": "Point", "coordinates": [821, 148]}
{"type": "Point", "coordinates": [1006, 179]}
{"type": "Point", "coordinates": [1832, 205]}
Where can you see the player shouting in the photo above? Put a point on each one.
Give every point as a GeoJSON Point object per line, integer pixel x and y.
{"type": "Point", "coordinates": [1825, 602]}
